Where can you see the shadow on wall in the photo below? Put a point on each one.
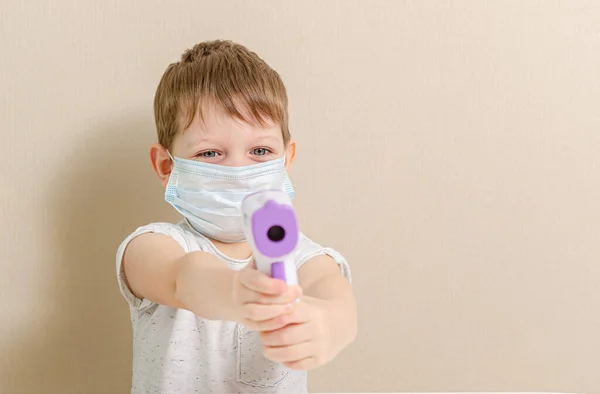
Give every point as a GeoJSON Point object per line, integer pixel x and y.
{"type": "Point", "coordinates": [107, 189]}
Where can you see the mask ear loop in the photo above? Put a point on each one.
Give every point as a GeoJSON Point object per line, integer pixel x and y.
{"type": "Point", "coordinates": [172, 159]}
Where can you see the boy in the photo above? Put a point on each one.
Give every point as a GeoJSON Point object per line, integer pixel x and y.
{"type": "Point", "coordinates": [204, 319]}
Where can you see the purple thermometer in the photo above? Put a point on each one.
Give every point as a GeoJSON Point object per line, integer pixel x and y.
{"type": "Point", "coordinates": [272, 231]}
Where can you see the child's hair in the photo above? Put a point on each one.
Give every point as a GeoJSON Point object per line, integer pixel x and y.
{"type": "Point", "coordinates": [222, 73]}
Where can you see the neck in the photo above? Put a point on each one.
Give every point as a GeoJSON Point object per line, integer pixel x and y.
{"type": "Point", "coordinates": [238, 250]}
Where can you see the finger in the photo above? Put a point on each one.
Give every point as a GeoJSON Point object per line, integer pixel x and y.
{"type": "Point", "coordinates": [289, 353]}
{"type": "Point", "coordinates": [259, 312]}
{"type": "Point", "coordinates": [257, 281]}
{"type": "Point", "coordinates": [269, 325]}
{"type": "Point", "coordinates": [302, 365]}
{"type": "Point", "coordinates": [289, 296]}
{"type": "Point", "coordinates": [300, 314]}
{"type": "Point", "coordinates": [288, 335]}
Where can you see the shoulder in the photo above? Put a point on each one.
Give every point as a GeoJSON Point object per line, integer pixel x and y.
{"type": "Point", "coordinates": [145, 246]}
{"type": "Point", "coordinates": [175, 231]}
{"type": "Point", "coordinates": [309, 250]}
{"type": "Point", "coordinates": [178, 232]}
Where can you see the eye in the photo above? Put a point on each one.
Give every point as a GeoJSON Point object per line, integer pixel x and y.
{"type": "Point", "coordinates": [209, 154]}
{"type": "Point", "coordinates": [260, 151]}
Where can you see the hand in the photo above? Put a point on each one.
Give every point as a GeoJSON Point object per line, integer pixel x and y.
{"type": "Point", "coordinates": [309, 341]}
{"type": "Point", "coordinates": [262, 303]}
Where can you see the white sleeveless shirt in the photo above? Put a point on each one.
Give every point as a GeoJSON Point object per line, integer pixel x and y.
{"type": "Point", "coordinates": [175, 351]}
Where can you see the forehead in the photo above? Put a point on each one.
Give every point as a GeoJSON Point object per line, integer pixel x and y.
{"type": "Point", "coordinates": [213, 122]}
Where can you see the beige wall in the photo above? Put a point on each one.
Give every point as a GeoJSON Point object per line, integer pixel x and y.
{"type": "Point", "coordinates": [449, 149]}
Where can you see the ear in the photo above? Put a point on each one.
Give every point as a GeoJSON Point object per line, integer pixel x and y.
{"type": "Point", "coordinates": [290, 154]}
{"type": "Point", "coordinates": [161, 163]}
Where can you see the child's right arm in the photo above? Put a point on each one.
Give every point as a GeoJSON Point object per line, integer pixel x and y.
{"type": "Point", "coordinates": [158, 269]}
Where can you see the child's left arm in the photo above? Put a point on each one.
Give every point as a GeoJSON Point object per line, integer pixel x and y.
{"type": "Point", "coordinates": [322, 324]}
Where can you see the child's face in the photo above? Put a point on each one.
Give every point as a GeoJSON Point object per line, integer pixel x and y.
{"type": "Point", "coordinates": [224, 140]}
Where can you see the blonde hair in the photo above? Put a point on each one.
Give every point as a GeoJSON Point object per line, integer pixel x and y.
{"type": "Point", "coordinates": [226, 74]}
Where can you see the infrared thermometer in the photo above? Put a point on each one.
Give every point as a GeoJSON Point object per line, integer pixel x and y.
{"type": "Point", "coordinates": [271, 228]}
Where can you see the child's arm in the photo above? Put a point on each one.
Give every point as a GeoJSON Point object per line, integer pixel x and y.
{"type": "Point", "coordinates": [320, 278]}
{"type": "Point", "coordinates": [158, 269]}
{"type": "Point", "coordinates": [323, 324]}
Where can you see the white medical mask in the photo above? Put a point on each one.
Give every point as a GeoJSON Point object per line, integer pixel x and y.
{"type": "Point", "coordinates": [209, 196]}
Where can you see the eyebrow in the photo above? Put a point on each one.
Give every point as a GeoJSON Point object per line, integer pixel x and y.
{"type": "Point", "coordinates": [197, 141]}
{"type": "Point", "coordinates": [269, 137]}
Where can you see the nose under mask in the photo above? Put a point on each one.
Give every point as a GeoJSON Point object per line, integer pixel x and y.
{"type": "Point", "coordinates": [209, 196]}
